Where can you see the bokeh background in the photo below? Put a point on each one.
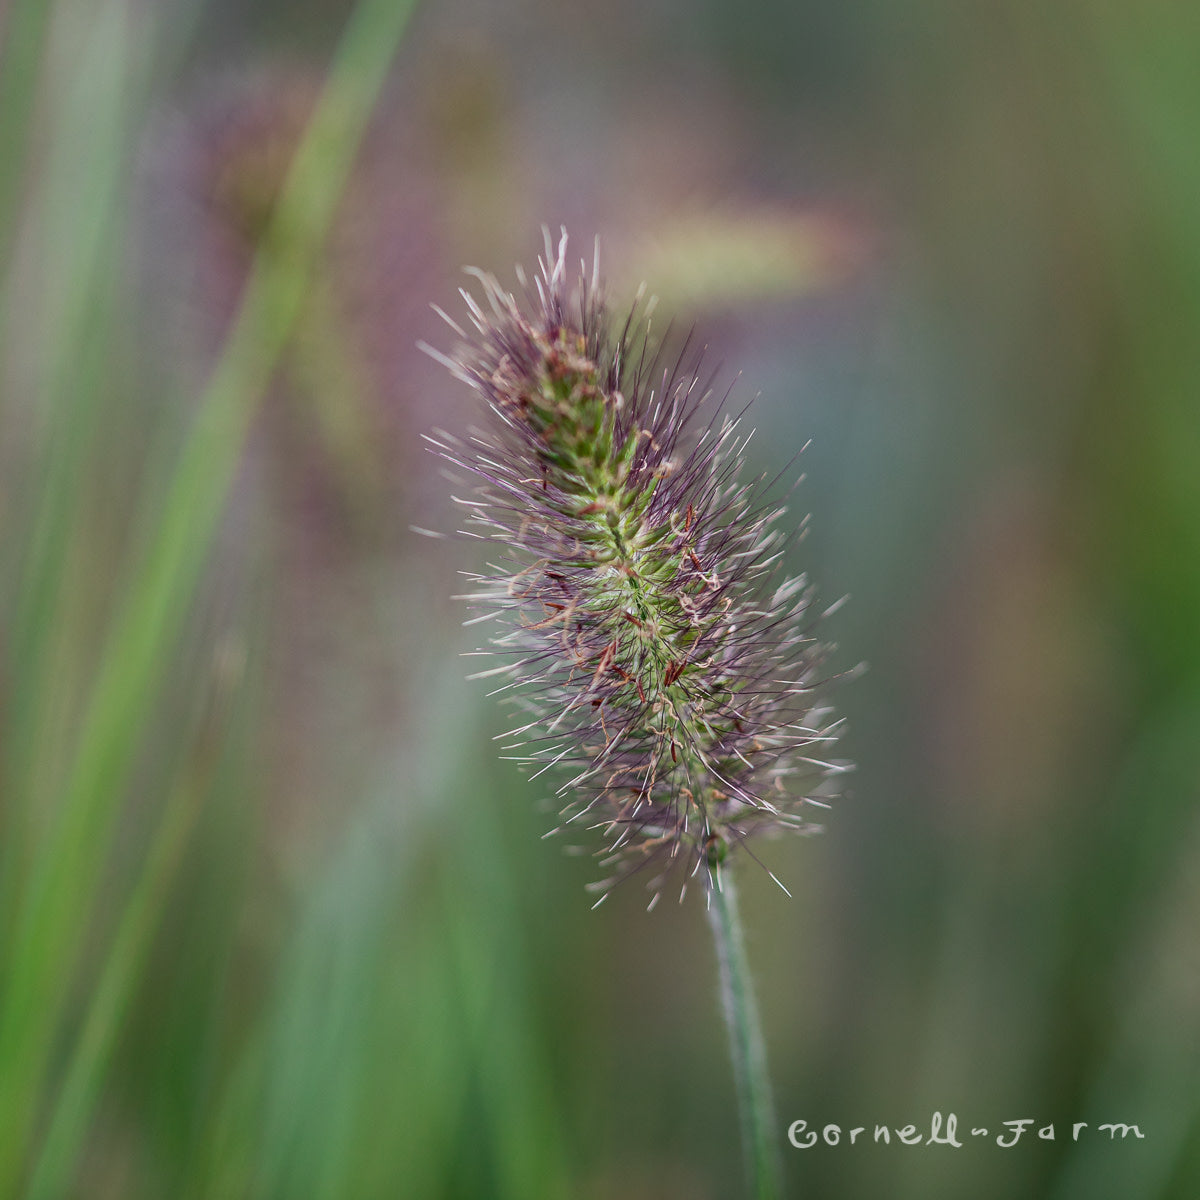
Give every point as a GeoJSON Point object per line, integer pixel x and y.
{"type": "Point", "coordinates": [274, 921]}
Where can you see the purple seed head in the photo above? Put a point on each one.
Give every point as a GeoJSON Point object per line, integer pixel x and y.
{"type": "Point", "coordinates": [659, 662]}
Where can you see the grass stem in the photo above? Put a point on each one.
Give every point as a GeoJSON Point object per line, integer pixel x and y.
{"type": "Point", "coordinates": [755, 1106]}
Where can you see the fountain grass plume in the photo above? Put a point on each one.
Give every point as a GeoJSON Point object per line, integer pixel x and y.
{"type": "Point", "coordinates": [657, 656]}
{"type": "Point", "coordinates": [661, 661]}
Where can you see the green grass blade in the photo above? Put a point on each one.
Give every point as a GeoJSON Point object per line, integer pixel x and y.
{"type": "Point", "coordinates": [24, 33]}
{"type": "Point", "coordinates": [76, 1098]}
{"type": "Point", "coordinates": [56, 905]}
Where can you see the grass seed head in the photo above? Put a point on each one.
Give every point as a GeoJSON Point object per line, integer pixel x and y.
{"type": "Point", "coordinates": [660, 663]}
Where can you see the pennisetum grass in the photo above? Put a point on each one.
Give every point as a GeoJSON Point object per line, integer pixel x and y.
{"type": "Point", "coordinates": [656, 657]}
{"type": "Point", "coordinates": [52, 871]}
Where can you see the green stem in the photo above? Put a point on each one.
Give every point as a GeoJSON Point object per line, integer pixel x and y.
{"type": "Point", "coordinates": [745, 1041]}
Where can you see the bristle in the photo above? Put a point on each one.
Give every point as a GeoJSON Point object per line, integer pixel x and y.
{"type": "Point", "coordinates": [665, 668]}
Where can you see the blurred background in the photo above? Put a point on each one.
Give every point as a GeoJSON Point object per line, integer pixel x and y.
{"type": "Point", "coordinates": [274, 919]}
